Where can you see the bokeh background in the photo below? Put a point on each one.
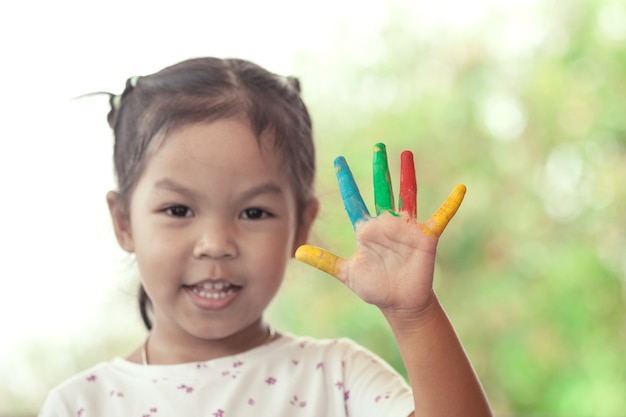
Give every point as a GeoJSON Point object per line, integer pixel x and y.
{"type": "Point", "coordinates": [523, 101]}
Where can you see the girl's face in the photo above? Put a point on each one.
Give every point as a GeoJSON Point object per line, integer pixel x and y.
{"type": "Point", "coordinates": [212, 222]}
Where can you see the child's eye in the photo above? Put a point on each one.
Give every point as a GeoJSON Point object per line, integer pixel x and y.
{"type": "Point", "coordinates": [254, 214]}
{"type": "Point", "coordinates": [179, 211]}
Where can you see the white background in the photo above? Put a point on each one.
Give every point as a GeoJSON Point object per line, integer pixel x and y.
{"type": "Point", "coordinates": [56, 246]}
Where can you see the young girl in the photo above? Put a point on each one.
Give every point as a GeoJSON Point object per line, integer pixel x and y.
{"type": "Point", "coordinates": [215, 167]}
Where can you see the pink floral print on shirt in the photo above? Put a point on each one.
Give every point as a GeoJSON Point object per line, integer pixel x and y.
{"type": "Point", "coordinates": [186, 388]}
{"type": "Point", "coordinates": [296, 402]}
{"type": "Point", "coordinates": [382, 397]}
{"type": "Point", "coordinates": [153, 410]}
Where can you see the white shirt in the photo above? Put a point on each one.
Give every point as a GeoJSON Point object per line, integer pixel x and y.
{"type": "Point", "coordinates": [291, 377]}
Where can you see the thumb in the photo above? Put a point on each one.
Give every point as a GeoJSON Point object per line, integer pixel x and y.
{"type": "Point", "coordinates": [321, 259]}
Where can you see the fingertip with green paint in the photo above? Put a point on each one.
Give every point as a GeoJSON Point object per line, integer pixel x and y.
{"type": "Point", "coordinates": [383, 191]}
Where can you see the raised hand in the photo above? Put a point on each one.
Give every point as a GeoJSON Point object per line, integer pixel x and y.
{"type": "Point", "coordinates": [393, 263]}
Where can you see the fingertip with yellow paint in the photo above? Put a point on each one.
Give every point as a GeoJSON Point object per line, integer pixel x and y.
{"type": "Point", "coordinates": [319, 258]}
{"type": "Point", "coordinates": [440, 219]}
{"type": "Point", "coordinates": [459, 192]}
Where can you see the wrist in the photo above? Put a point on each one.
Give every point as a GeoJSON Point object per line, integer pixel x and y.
{"type": "Point", "coordinates": [412, 320]}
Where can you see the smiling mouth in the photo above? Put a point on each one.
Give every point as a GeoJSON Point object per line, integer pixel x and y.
{"type": "Point", "coordinates": [214, 289]}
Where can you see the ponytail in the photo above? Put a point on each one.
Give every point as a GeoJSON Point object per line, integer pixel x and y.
{"type": "Point", "coordinates": [144, 306]}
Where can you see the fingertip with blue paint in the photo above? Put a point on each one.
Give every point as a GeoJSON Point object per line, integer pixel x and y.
{"type": "Point", "coordinates": [350, 194]}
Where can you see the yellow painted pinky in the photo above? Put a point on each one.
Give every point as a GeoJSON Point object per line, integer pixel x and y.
{"type": "Point", "coordinates": [440, 219]}
{"type": "Point", "coordinates": [319, 258]}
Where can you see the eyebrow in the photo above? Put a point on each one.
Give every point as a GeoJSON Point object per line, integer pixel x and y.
{"type": "Point", "coordinates": [266, 188]}
{"type": "Point", "coordinates": [169, 185]}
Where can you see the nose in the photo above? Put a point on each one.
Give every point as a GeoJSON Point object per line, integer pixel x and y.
{"type": "Point", "coordinates": [216, 241]}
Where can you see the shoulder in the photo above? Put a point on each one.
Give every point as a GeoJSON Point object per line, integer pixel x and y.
{"type": "Point", "coordinates": [72, 387]}
{"type": "Point", "coordinates": [289, 341]}
{"type": "Point", "coordinates": [341, 344]}
{"type": "Point", "coordinates": [87, 376]}
{"type": "Point", "coordinates": [342, 370]}
{"type": "Point", "coordinates": [114, 383]}
{"type": "Point", "coordinates": [340, 350]}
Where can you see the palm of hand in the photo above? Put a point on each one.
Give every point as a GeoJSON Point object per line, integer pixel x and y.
{"type": "Point", "coordinates": [393, 258]}
{"type": "Point", "coordinates": [393, 263]}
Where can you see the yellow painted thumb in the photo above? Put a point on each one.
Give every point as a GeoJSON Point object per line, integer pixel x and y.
{"type": "Point", "coordinates": [319, 258]}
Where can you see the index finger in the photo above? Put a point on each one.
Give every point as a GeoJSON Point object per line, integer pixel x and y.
{"type": "Point", "coordinates": [350, 194]}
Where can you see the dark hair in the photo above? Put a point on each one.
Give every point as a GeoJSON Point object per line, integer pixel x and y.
{"type": "Point", "coordinates": [204, 90]}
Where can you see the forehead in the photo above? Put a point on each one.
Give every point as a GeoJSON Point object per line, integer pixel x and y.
{"type": "Point", "coordinates": [225, 147]}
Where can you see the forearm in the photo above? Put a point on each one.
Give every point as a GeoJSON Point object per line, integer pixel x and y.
{"type": "Point", "coordinates": [441, 376]}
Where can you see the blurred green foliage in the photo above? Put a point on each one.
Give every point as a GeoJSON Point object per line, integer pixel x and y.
{"type": "Point", "coordinates": [529, 112]}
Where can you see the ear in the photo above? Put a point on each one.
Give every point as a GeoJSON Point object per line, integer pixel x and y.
{"type": "Point", "coordinates": [121, 221]}
{"type": "Point", "coordinates": [308, 217]}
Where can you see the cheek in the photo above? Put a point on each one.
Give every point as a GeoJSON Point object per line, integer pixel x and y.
{"type": "Point", "coordinates": [272, 253]}
{"type": "Point", "coordinates": [156, 255]}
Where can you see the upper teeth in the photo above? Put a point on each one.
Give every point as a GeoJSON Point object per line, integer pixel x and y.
{"type": "Point", "coordinates": [215, 285]}
{"type": "Point", "coordinates": [206, 289]}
